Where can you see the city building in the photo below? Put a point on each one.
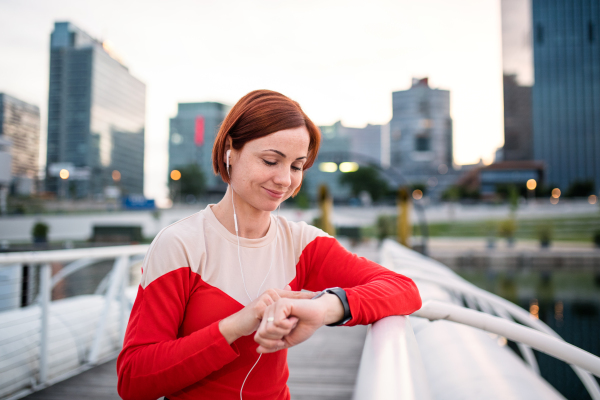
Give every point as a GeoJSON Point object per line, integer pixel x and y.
{"type": "Point", "coordinates": [421, 136]}
{"type": "Point", "coordinates": [566, 94]}
{"type": "Point", "coordinates": [421, 129]}
{"type": "Point", "coordinates": [96, 119]}
{"type": "Point", "coordinates": [191, 136]}
{"type": "Point", "coordinates": [518, 133]}
{"type": "Point", "coordinates": [517, 68]}
{"type": "Point", "coordinates": [20, 126]}
{"type": "Point", "coordinates": [488, 179]}
{"type": "Point", "coordinates": [341, 144]}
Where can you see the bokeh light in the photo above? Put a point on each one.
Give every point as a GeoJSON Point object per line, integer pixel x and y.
{"type": "Point", "coordinates": [328, 167]}
{"type": "Point", "coordinates": [417, 194]}
{"type": "Point", "coordinates": [175, 175]}
{"type": "Point", "coordinates": [531, 184]}
{"type": "Point", "coordinates": [64, 174]}
{"type": "Point", "coordinates": [116, 175]}
{"type": "Point", "coordinates": [348, 167]}
{"type": "Point", "coordinates": [592, 199]}
{"type": "Point", "coordinates": [556, 193]}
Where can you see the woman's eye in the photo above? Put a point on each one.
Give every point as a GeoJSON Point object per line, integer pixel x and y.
{"type": "Point", "coordinates": [296, 168]}
{"type": "Point", "coordinates": [269, 163]}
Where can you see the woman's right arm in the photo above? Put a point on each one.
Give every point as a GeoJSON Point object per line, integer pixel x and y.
{"type": "Point", "coordinates": [154, 362]}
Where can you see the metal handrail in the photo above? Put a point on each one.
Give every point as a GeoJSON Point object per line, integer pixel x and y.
{"type": "Point", "coordinates": [49, 256]}
{"type": "Point", "coordinates": [435, 310]}
{"type": "Point", "coordinates": [391, 366]}
{"type": "Point", "coordinates": [447, 279]}
{"type": "Point", "coordinates": [115, 283]}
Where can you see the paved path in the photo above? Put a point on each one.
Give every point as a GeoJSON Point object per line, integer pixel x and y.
{"type": "Point", "coordinates": [322, 368]}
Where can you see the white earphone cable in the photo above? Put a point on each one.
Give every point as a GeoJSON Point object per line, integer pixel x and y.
{"type": "Point", "coordinates": [242, 270]}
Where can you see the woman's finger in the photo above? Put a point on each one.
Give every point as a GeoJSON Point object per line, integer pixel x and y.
{"type": "Point", "coordinates": [270, 346]}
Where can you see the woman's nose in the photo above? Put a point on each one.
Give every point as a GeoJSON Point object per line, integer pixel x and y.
{"type": "Point", "coordinates": [283, 177]}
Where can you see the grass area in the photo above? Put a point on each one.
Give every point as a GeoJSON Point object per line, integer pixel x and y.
{"type": "Point", "coordinates": [578, 228]}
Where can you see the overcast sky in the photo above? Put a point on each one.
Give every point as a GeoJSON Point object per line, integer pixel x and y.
{"type": "Point", "coordinates": [339, 59]}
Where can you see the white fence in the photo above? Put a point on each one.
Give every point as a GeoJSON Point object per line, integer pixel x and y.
{"type": "Point", "coordinates": [445, 360]}
{"type": "Point", "coordinates": [49, 341]}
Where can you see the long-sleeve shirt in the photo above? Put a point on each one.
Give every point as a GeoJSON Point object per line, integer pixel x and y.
{"type": "Point", "coordinates": [191, 279]}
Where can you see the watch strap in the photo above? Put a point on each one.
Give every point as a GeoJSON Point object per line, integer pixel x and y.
{"type": "Point", "coordinates": [341, 294]}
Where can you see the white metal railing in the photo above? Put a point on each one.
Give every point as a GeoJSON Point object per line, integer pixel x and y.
{"type": "Point", "coordinates": [405, 369]}
{"type": "Point", "coordinates": [391, 366]}
{"type": "Point", "coordinates": [95, 324]}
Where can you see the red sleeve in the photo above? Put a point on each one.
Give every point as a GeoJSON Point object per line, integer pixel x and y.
{"type": "Point", "coordinates": [154, 362]}
{"type": "Point", "coordinates": [374, 292]}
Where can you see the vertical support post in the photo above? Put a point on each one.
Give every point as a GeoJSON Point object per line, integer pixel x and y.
{"type": "Point", "coordinates": [123, 307]}
{"type": "Point", "coordinates": [116, 278]}
{"type": "Point", "coordinates": [45, 297]}
{"type": "Point", "coordinates": [403, 224]}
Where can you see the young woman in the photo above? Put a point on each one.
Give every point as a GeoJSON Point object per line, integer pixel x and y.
{"type": "Point", "coordinates": [220, 298]}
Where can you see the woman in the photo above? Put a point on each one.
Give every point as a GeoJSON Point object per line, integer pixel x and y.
{"type": "Point", "coordinates": [220, 301]}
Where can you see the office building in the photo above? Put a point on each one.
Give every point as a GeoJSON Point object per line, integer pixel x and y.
{"type": "Point", "coordinates": [192, 135]}
{"type": "Point", "coordinates": [517, 69]}
{"type": "Point", "coordinates": [421, 129]}
{"type": "Point", "coordinates": [518, 133]}
{"type": "Point", "coordinates": [96, 117]}
{"type": "Point", "coordinates": [340, 144]}
{"type": "Point", "coordinates": [20, 127]}
{"type": "Point", "coordinates": [566, 94]}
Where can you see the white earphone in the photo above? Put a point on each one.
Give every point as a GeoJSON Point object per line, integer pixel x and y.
{"type": "Point", "coordinates": [227, 155]}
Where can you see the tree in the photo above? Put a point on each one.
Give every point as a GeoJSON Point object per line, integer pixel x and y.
{"type": "Point", "coordinates": [367, 179]}
{"type": "Point", "coordinates": [580, 189]}
{"type": "Point", "coordinates": [192, 182]}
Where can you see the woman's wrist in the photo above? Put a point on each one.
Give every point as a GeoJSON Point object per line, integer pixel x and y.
{"type": "Point", "coordinates": [333, 307]}
{"type": "Point", "coordinates": [227, 327]}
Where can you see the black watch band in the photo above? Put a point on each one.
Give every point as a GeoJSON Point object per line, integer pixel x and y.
{"type": "Point", "coordinates": [341, 294]}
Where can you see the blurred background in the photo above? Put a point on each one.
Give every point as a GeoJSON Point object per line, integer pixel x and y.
{"type": "Point", "coordinates": [467, 130]}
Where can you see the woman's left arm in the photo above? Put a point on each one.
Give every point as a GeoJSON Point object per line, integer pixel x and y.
{"type": "Point", "coordinates": [373, 292]}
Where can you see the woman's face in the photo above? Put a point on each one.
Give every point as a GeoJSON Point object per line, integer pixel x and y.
{"type": "Point", "coordinates": [266, 171]}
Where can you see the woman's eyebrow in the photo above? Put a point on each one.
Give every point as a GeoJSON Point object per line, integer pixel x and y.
{"type": "Point", "coordinates": [283, 155]}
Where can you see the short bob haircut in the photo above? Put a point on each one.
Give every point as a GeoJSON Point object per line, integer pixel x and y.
{"type": "Point", "coordinates": [258, 114]}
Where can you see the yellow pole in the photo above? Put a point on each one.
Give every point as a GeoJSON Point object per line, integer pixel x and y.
{"type": "Point", "coordinates": [403, 223]}
{"type": "Point", "coordinates": [326, 205]}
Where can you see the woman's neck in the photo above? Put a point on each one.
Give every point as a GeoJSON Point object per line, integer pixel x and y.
{"type": "Point", "coordinates": [252, 222]}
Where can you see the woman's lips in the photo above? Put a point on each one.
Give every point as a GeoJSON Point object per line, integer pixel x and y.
{"type": "Point", "coordinates": [277, 195]}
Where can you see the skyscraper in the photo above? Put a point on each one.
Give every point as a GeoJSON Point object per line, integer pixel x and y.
{"type": "Point", "coordinates": [191, 136]}
{"type": "Point", "coordinates": [517, 68]}
{"type": "Point", "coordinates": [566, 94]}
{"type": "Point", "coordinates": [421, 129]}
{"type": "Point", "coordinates": [20, 125]}
{"type": "Point", "coordinates": [96, 113]}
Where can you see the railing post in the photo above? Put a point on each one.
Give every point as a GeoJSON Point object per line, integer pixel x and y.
{"type": "Point", "coordinates": [123, 309]}
{"type": "Point", "coordinates": [116, 278]}
{"type": "Point", "coordinates": [45, 297]}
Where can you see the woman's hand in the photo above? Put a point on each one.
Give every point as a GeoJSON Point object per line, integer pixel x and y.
{"type": "Point", "coordinates": [295, 320]}
{"type": "Point", "coordinates": [248, 319]}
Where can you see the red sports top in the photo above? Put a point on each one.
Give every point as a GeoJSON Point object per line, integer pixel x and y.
{"type": "Point", "coordinates": [191, 280]}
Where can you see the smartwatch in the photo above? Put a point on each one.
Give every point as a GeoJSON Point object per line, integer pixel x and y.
{"type": "Point", "coordinates": [341, 294]}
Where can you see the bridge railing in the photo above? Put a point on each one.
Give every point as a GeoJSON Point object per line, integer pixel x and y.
{"type": "Point", "coordinates": [497, 315]}
{"type": "Point", "coordinates": [47, 341]}
{"type": "Point", "coordinates": [391, 366]}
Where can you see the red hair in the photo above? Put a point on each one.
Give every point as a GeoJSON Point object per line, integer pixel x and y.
{"type": "Point", "coordinates": [258, 114]}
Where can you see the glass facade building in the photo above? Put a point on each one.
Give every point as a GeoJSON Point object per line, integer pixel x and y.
{"type": "Point", "coordinates": [566, 93]}
{"type": "Point", "coordinates": [96, 115]}
{"type": "Point", "coordinates": [20, 125]}
{"type": "Point", "coordinates": [192, 134]}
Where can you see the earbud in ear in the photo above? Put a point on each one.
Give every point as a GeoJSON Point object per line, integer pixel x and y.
{"type": "Point", "coordinates": [227, 161]}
